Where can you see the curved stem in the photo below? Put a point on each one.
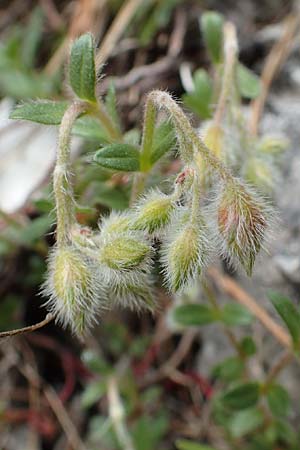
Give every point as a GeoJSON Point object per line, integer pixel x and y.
{"type": "Point", "coordinates": [63, 192]}
{"type": "Point", "coordinates": [187, 136]}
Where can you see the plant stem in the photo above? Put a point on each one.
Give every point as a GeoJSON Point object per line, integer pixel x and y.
{"type": "Point", "coordinates": [106, 121]}
{"type": "Point", "coordinates": [148, 133]}
{"type": "Point", "coordinates": [188, 137]}
{"type": "Point", "coordinates": [63, 192]}
{"type": "Point", "coordinates": [230, 53]}
{"type": "Point", "coordinates": [116, 412]}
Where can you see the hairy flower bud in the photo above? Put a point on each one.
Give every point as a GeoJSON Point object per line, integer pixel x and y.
{"type": "Point", "coordinates": [242, 219]}
{"type": "Point", "coordinates": [115, 223]}
{"type": "Point", "coordinates": [213, 138]}
{"type": "Point", "coordinates": [153, 212]}
{"type": "Point", "coordinates": [74, 289]}
{"type": "Point", "coordinates": [185, 252]}
{"type": "Point", "coordinates": [272, 145]}
{"type": "Point", "coordinates": [123, 251]}
{"type": "Point", "coordinates": [261, 173]}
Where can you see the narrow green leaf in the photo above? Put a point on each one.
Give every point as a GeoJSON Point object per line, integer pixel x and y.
{"type": "Point", "coordinates": [32, 37]}
{"type": "Point", "coordinates": [242, 396]}
{"type": "Point", "coordinates": [235, 314]}
{"type": "Point", "coordinates": [184, 444]}
{"type": "Point", "coordinates": [121, 157]}
{"type": "Point", "coordinates": [245, 422]}
{"type": "Point", "coordinates": [248, 82]}
{"type": "Point", "coordinates": [211, 24]}
{"type": "Point", "coordinates": [163, 140]}
{"type": "Point", "coordinates": [200, 100]}
{"type": "Point", "coordinates": [289, 314]}
{"type": "Point", "coordinates": [82, 73]}
{"type": "Point", "coordinates": [278, 400]}
{"type": "Point", "coordinates": [193, 315]}
{"type": "Point", "coordinates": [42, 111]}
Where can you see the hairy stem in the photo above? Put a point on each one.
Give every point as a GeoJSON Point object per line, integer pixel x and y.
{"type": "Point", "coordinates": [188, 137]}
{"type": "Point", "coordinates": [63, 192]}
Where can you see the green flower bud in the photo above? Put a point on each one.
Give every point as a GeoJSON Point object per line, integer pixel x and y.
{"type": "Point", "coordinates": [124, 252]}
{"type": "Point", "coordinates": [115, 223]}
{"type": "Point", "coordinates": [134, 292]}
{"type": "Point", "coordinates": [272, 145]}
{"type": "Point", "coordinates": [261, 173]}
{"type": "Point", "coordinates": [74, 289]}
{"type": "Point", "coordinates": [153, 213]}
{"type": "Point", "coordinates": [242, 222]}
{"type": "Point", "coordinates": [185, 252]}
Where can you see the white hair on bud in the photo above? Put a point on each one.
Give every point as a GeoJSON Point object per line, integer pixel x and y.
{"type": "Point", "coordinates": [242, 220]}
{"type": "Point", "coordinates": [185, 250]}
{"type": "Point", "coordinates": [73, 285]}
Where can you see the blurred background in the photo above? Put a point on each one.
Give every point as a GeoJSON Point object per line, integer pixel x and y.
{"type": "Point", "coordinates": [140, 382]}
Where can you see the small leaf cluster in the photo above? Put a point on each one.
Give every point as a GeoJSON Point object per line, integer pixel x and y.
{"type": "Point", "coordinates": [254, 413]}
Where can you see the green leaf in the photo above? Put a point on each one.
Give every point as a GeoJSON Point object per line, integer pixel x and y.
{"type": "Point", "coordinates": [247, 346]}
{"type": "Point", "coordinates": [184, 444]}
{"type": "Point", "coordinates": [241, 396]}
{"type": "Point", "coordinates": [148, 432]}
{"type": "Point", "coordinates": [121, 157]}
{"type": "Point", "coordinates": [278, 400]}
{"type": "Point", "coordinates": [248, 82]}
{"type": "Point", "coordinates": [245, 422]}
{"type": "Point", "coordinates": [163, 140]}
{"type": "Point", "coordinates": [90, 128]}
{"type": "Point", "coordinates": [200, 100]}
{"type": "Point", "coordinates": [93, 393]}
{"type": "Point", "coordinates": [235, 314]}
{"type": "Point", "coordinates": [42, 111]}
{"type": "Point", "coordinates": [289, 314]}
{"type": "Point", "coordinates": [193, 315]}
{"type": "Point", "coordinates": [211, 24]}
{"type": "Point", "coordinates": [82, 73]}
{"type": "Point", "coordinates": [229, 369]}
{"type": "Point", "coordinates": [32, 37]}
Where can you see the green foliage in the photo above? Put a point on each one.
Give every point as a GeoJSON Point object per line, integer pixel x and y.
{"type": "Point", "coordinates": [183, 444]}
{"type": "Point", "coordinates": [82, 73]}
{"type": "Point", "coordinates": [245, 422]}
{"type": "Point", "coordinates": [241, 396]}
{"type": "Point", "coordinates": [278, 400]}
{"type": "Point", "coordinates": [45, 112]}
{"type": "Point", "coordinates": [200, 99]}
{"type": "Point", "coordinates": [212, 29]}
{"type": "Point", "coordinates": [248, 83]}
{"type": "Point", "coordinates": [120, 157]}
{"type": "Point", "coordinates": [193, 315]}
{"type": "Point", "coordinates": [289, 314]}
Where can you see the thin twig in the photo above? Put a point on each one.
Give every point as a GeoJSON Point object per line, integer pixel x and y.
{"type": "Point", "coordinates": [49, 317]}
{"type": "Point", "coordinates": [116, 30]}
{"type": "Point", "coordinates": [283, 360]}
{"type": "Point", "coordinates": [278, 54]}
{"type": "Point", "coordinates": [64, 419]}
{"type": "Point", "coordinates": [233, 289]}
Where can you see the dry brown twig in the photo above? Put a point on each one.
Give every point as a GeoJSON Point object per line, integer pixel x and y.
{"type": "Point", "coordinates": [5, 334]}
{"type": "Point", "coordinates": [229, 286]}
{"type": "Point", "coordinates": [274, 61]}
{"type": "Point", "coordinates": [116, 30]}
